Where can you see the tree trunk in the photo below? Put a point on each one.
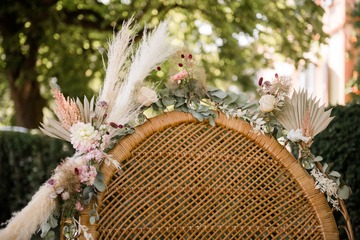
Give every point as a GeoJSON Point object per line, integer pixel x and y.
{"type": "Point", "coordinates": [28, 103]}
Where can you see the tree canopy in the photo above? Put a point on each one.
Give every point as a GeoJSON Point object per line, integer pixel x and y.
{"type": "Point", "coordinates": [64, 40]}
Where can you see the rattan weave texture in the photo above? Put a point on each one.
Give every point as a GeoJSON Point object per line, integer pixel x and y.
{"type": "Point", "coordinates": [183, 179]}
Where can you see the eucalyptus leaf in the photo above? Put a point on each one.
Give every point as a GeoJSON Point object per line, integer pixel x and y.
{"type": "Point", "coordinates": [197, 115]}
{"type": "Point", "coordinates": [184, 109]}
{"type": "Point", "coordinates": [230, 98]}
{"type": "Point", "coordinates": [179, 104]}
{"type": "Point", "coordinates": [335, 174]}
{"type": "Point", "coordinates": [53, 222]}
{"type": "Point", "coordinates": [168, 101]}
{"type": "Point", "coordinates": [93, 212]}
{"type": "Point", "coordinates": [99, 182]}
{"type": "Point", "coordinates": [92, 220]}
{"type": "Point", "coordinates": [181, 92]}
{"type": "Point", "coordinates": [212, 121]}
{"type": "Point", "coordinates": [325, 167]}
{"type": "Point", "coordinates": [159, 104]}
{"type": "Point", "coordinates": [50, 235]}
{"type": "Point", "coordinates": [45, 229]}
{"type": "Point", "coordinates": [219, 94]}
{"type": "Point", "coordinates": [211, 89]}
{"type": "Point", "coordinates": [344, 192]}
{"type": "Point", "coordinates": [318, 159]}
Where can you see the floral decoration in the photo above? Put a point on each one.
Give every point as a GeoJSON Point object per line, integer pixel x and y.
{"type": "Point", "coordinates": [94, 126]}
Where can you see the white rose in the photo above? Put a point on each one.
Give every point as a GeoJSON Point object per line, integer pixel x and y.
{"type": "Point", "coordinates": [267, 103]}
{"type": "Point", "coordinates": [296, 136]}
{"type": "Point", "coordinates": [147, 96]}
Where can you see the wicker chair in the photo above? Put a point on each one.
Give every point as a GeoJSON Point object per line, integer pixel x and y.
{"type": "Point", "coordinates": [184, 179]}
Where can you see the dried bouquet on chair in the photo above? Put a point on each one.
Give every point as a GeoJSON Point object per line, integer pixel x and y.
{"type": "Point", "coordinates": [94, 126]}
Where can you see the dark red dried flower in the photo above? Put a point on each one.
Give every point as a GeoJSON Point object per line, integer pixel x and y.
{"type": "Point", "coordinates": [260, 82]}
{"type": "Point", "coordinates": [77, 172]}
{"type": "Point", "coordinates": [276, 75]}
{"type": "Point", "coordinates": [180, 65]}
{"type": "Point", "coordinates": [267, 83]}
{"type": "Point", "coordinates": [105, 115]}
{"type": "Point", "coordinates": [114, 125]}
{"type": "Point", "coordinates": [158, 68]}
{"type": "Point", "coordinates": [51, 181]}
{"type": "Point", "coordinates": [190, 56]}
{"type": "Point", "coordinates": [120, 126]}
{"type": "Point", "coordinates": [182, 56]}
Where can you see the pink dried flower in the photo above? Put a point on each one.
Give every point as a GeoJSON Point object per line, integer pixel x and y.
{"type": "Point", "coordinates": [66, 109]}
{"type": "Point", "coordinates": [51, 182]}
{"type": "Point", "coordinates": [78, 206]}
{"type": "Point", "coordinates": [65, 196]}
{"type": "Point", "coordinates": [87, 175]}
{"type": "Point", "coordinates": [95, 155]}
{"type": "Point", "coordinates": [179, 76]}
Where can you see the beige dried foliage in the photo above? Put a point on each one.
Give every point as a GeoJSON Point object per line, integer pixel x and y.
{"type": "Point", "coordinates": [304, 111]}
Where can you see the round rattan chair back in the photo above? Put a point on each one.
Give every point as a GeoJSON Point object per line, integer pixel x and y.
{"type": "Point", "coordinates": [184, 179]}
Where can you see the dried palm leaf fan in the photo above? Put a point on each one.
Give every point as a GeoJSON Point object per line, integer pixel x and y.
{"type": "Point", "coordinates": [184, 179]}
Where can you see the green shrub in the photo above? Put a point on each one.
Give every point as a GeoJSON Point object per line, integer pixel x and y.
{"type": "Point", "coordinates": [340, 144]}
{"type": "Point", "coordinates": [26, 161]}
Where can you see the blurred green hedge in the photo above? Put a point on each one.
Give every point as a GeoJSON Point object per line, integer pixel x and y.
{"type": "Point", "coordinates": [26, 161]}
{"type": "Point", "coordinates": [340, 144]}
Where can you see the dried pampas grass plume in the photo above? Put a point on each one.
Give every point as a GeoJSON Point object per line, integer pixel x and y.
{"type": "Point", "coordinates": [303, 109]}
{"type": "Point", "coordinates": [119, 51]}
{"type": "Point", "coordinates": [153, 49]}
{"type": "Point", "coordinates": [25, 223]}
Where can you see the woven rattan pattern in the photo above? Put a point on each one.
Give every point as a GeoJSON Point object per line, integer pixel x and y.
{"type": "Point", "coordinates": [194, 181]}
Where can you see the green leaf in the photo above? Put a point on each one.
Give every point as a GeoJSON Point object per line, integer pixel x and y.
{"type": "Point", "coordinates": [168, 101]}
{"type": "Point", "coordinates": [335, 174]}
{"type": "Point", "coordinates": [159, 104]}
{"type": "Point", "coordinates": [344, 192]}
{"type": "Point", "coordinates": [197, 115]}
{"type": "Point", "coordinates": [325, 167]}
{"type": "Point", "coordinates": [184, 109]}
{"type": "Point", "coordinates": [45, 229]}
{"type": "Point", "coordinates": [219, 94]}
{"type": "Point", "coordinates": [88, 194]}
{"type": "Point", "coordinates": [50, 235]}
{"type": "Point", "coordinates": [92, 220]}
{"type": "Point", "coordinates": [212, 121]}
{"type": "Point", "coordinates": [52, 221]}
{"type": "Point", "coordinates": [99, 182]}
{"type": "Point", "coordinates": [211, 89]}
{"type": "Point", "coordinates": [231, 98]}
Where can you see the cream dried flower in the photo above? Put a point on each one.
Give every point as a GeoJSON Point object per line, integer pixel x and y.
{"type": "Point", "coordinates": [146, 96]}
{"type": "Point", "coordinates": [83, 137]}
{"type": "Point", "coordinates": [267, 103]}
